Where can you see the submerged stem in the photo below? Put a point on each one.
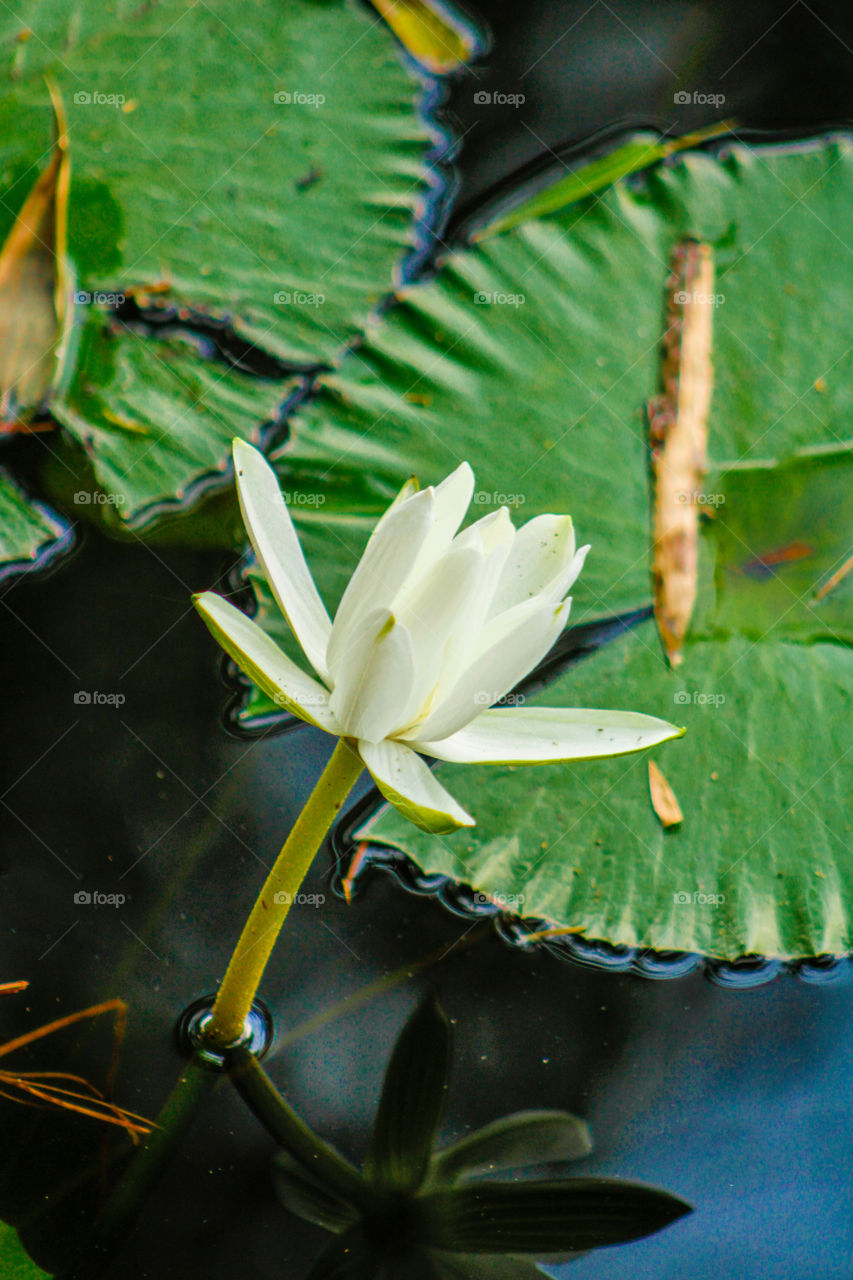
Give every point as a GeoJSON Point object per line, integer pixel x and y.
{"type": "Point", "coordinates": [291, 1132]}
{"type": "Point", "coordinates": [232, 1007]}
{"type": "Point", "coordinates": [145, 1170]}
{"type": "Point", "coordinates": [253, 950]}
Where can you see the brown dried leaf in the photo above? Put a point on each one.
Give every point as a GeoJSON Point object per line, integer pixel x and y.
{"type": "Point", "coordinates": [678, 431]}
{"type": "Point", "coordinates": [664, 800]}
{"type": "Point", "coordinates": [33, 286]}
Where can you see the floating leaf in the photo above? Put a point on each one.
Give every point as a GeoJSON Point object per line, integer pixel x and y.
{"type": "Point", "coordinates": [154, 422]}
{"type": "Point", "coordinates": [15, 1262]}
{"type": "Point", "coordinates": [287, 228]}
{"type": "Point", "coordinates": [29, 533]}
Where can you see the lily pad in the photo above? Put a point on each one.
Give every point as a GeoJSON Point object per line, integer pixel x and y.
{"type": "Point", "coordinates": [532, 355]}
{"type": "Point", "coordinates": [148, 422]}
{"type": "Point", "coordinates": [277, 183]}
{"type": "Point", "coordinates": [14, 1259]}
{"type": "Point", "coordinates": [759, 864]}
{"type": "Point", "coordinates": [29, 533]}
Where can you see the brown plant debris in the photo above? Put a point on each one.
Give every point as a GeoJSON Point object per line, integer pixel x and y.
{"type": "Point", "coordinates": [45, 1088]}
{"type": "Point", "coordinates": [664, 800]}
{"type": "Point", "coordinates": [678, 435]}
{"type": "Point", "coordinates": [832, 583]}
{"type": "Point", "coordinates": [34, 289]}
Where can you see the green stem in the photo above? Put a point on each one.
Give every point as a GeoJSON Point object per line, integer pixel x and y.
{"type": "Point", "coordinates": [263, 926]}
{"type": "Point", "coordinates": [292, 1133]}
{"type": "Point", "coordinates": [145, 1170]}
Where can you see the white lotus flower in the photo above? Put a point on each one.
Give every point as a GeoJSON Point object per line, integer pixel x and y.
{"type": "Point", "coordinates": [433, 627]}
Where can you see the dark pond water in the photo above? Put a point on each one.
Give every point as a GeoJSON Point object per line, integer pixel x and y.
{"type": "Point", "coordinates": [586, 68]}
{"type": "Point", "coordinates": [737, 1100]}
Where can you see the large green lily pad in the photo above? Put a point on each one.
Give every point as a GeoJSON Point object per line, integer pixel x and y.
{"type": "Point", "coordinates": [152, 418]}
{"type": "Point", "coordinates": [16, 1262]}
{"type": "Point", "coordinates": [275, 183]}
{"type": "Point", "coordinates": [545, 396]}
{"type": "Point", "coordinates": [761, 862]}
